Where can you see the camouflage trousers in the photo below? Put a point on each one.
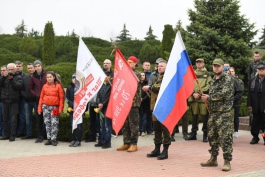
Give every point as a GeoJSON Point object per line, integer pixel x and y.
{"type": "Point", "coordinates": [131, 127]}
{"type": "Point", "coordinates": [220, 133]}
{"type": "Point", "coordinates": [51, 122]}
{"type": "Point", "coordinates": [162, 135]}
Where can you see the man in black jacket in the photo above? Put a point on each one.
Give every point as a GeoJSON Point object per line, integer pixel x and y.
{"type": "Point", "coordinates": [256, 103]}
{"type": "Point", "coordinates": [11, 86]}
{"type": "Point", "coordinates": [4, 72]}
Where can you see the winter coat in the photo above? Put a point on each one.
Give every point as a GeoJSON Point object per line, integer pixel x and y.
{"type": "Point", "coordinates": [52, 95]}
{"type": "Point", "coordinates": [10, 88]}
{"type": "Point", "coordinates": [256, 96]}
{"type": "Point", "coordinates": [36, 83]}
{"type": "Point", "coordinates": [70, 93]}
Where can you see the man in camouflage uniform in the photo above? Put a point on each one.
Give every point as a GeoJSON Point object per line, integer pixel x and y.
{"type": "Point", "coordinates": [131, 126]}
{"type": "Point", "coordinates": [198, 107]}
{"type": "Point", "coordinates": [220, 123]}
{"type": "Point", "coordinates": [162, 134]}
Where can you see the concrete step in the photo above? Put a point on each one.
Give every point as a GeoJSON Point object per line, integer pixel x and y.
{"type": "Point", "coordinates": [244, 120]}
{"type": "Point", "coordinates": [244, 127]}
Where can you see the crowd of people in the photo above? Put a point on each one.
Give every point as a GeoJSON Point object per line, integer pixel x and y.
{"type": "Point", "coordinates": [216, 99]}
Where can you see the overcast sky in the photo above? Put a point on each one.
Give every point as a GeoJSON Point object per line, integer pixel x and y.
{"type": "Point", "coordinates": [105, 18]}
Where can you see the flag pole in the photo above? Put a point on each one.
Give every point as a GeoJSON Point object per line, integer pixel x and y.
{"type": "Point", "coordinates": [201, 92]}
{"type": "Point", "coordinates": [115, 46]}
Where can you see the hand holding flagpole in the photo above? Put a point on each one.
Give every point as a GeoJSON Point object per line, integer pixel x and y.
{"type": "Point", "coordinates": [201, 92]}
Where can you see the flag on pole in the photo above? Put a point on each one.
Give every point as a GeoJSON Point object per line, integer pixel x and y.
{"type": "Point", "coordinates": [123, 90]}
{"type": "Point", "coordinates": [177, 85]}
{"type": "Point", "coordinates": [89, 79]}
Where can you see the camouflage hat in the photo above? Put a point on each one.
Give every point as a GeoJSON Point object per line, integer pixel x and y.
{"type": "Point", "coordinates": [200, 59]}
{"type": "Point", "coordinates": [218, 61]}
{"type": "Point", "coordinates": [158, 60]}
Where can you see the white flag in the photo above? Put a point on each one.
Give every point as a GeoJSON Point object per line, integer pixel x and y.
{"type": "Point", "coordinates": [89, 79]}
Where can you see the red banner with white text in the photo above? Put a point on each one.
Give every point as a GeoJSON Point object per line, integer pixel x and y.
{"type": "Point", "coordinates": [122, 93]}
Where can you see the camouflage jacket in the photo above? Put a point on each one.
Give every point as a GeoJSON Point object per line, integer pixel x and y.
{"type": "Point", "coordinates": [137, 97]}
{"type": "Point", "coordinates": [204, 79]}
{"type": "Point", "coordinates": [155, 90]}
{"type": "Point", "coordinates": [221, 94]}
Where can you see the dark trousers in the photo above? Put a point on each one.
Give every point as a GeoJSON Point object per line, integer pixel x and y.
{"type": "Point", "coordinates": [162, 135]}
{"type": "Point", "coordinates": [94, 123]}
{"type": "Point", "coordinates": [77, 133]}
{"type": "Point", "coordinates": [149, 122]}
{"type": "Point", "coordinates": [1, 119]}
{"type": "Point", "coordinates": [236, 118]}
{"type": "Point", "coordinates": [21, 118]}
{"type": "Point", "coordinates": [131, 127]}
{"type": "Point", "coordinates": [257, 124]}
{"type": "Point", "coordinates": [40, 123]}
{"type": "Point", "coordinates": [105, 128]}
{"type": "Point", "coordinates": [10, 111]}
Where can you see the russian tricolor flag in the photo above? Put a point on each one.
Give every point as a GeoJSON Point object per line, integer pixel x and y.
{"type": "Point", "coordinates": [176, 87]}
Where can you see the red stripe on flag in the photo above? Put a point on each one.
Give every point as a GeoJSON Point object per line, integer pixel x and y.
{"type": "Point", "coordinates": [182, 95]}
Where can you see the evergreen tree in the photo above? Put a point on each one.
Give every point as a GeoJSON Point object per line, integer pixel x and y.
{"type": "Point", "coordinates": [33, 33]}
{"type": "Point", "coordinates": [167, 41]}
{"type": "Point", "coordinates": [48, 50]}
{"type": "Point", "coordinates": [21, 30]}
{"type": "Point", "coordinates": [218, 29]}
{"type": "Point", "coordinates": [150, 35]}
{"type": "Point", "coordinates": [262, 39]}
{"type": "Point", "coordinates": [124, 36]}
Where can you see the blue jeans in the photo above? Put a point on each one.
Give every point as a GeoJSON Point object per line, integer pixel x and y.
{"type": "Point", "coordinates": [29, 106]}
{"type": "Point", "coordinates": [21, 118]}
{"type": "Point", "coordinates": [105, 129]}
{"type": "Point", "coordinates": [77, 133]}
{"type": "Point", "coordinates": [1, 120]}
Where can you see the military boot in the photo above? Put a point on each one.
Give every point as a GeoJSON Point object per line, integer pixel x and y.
{"type": "Point", "coordinates": [227, 166]}
{"type": "Point", "coordinates": [164, 154]}
{"type": "Point", "coordinates": [212, 162]}
{"type": "Point", "coordinates": [192, 136]}
{"type": "Point", "coordinates": [205, 138]}
{"type": "Point", "coordinates": [155, 152]}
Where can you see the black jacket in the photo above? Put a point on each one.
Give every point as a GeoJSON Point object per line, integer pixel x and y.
{"type": "Point", "coordinates": [25, 93]}
{"type": "Point", "coordinates": [145, 104]}
{"type": "Point", "coordinates": [70, 92]}
{"type": "Point", "coordinates": [256, 96]}
{"type": "Point", "coordinates": [104, 94]}
{"type": "Point", "coordinates": [11, 88]}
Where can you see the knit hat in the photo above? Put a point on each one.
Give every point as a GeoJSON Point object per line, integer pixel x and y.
{"type": "Point", "coordinates": [37, 62]}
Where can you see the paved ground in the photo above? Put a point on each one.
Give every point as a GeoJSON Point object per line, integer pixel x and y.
{"type": "Point", "coordinates": [26, 158]}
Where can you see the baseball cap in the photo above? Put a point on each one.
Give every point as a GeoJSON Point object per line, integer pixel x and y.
{"type": "Point", "coordinates": [218, 61]}
{"type": "Point", "coordinates": [261, 66]}
{"type": "Point", "coordinates": [74, 75]}
{"type": "Point", "coordinates": [158, 60]}
{"type": "Point", "coordinates": [134, 59]}
{"type": "Point", "coordinates": [200, 59]}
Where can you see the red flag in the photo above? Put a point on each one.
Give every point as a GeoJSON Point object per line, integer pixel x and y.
{"type": "Point", "coordinates": [122, 93]}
